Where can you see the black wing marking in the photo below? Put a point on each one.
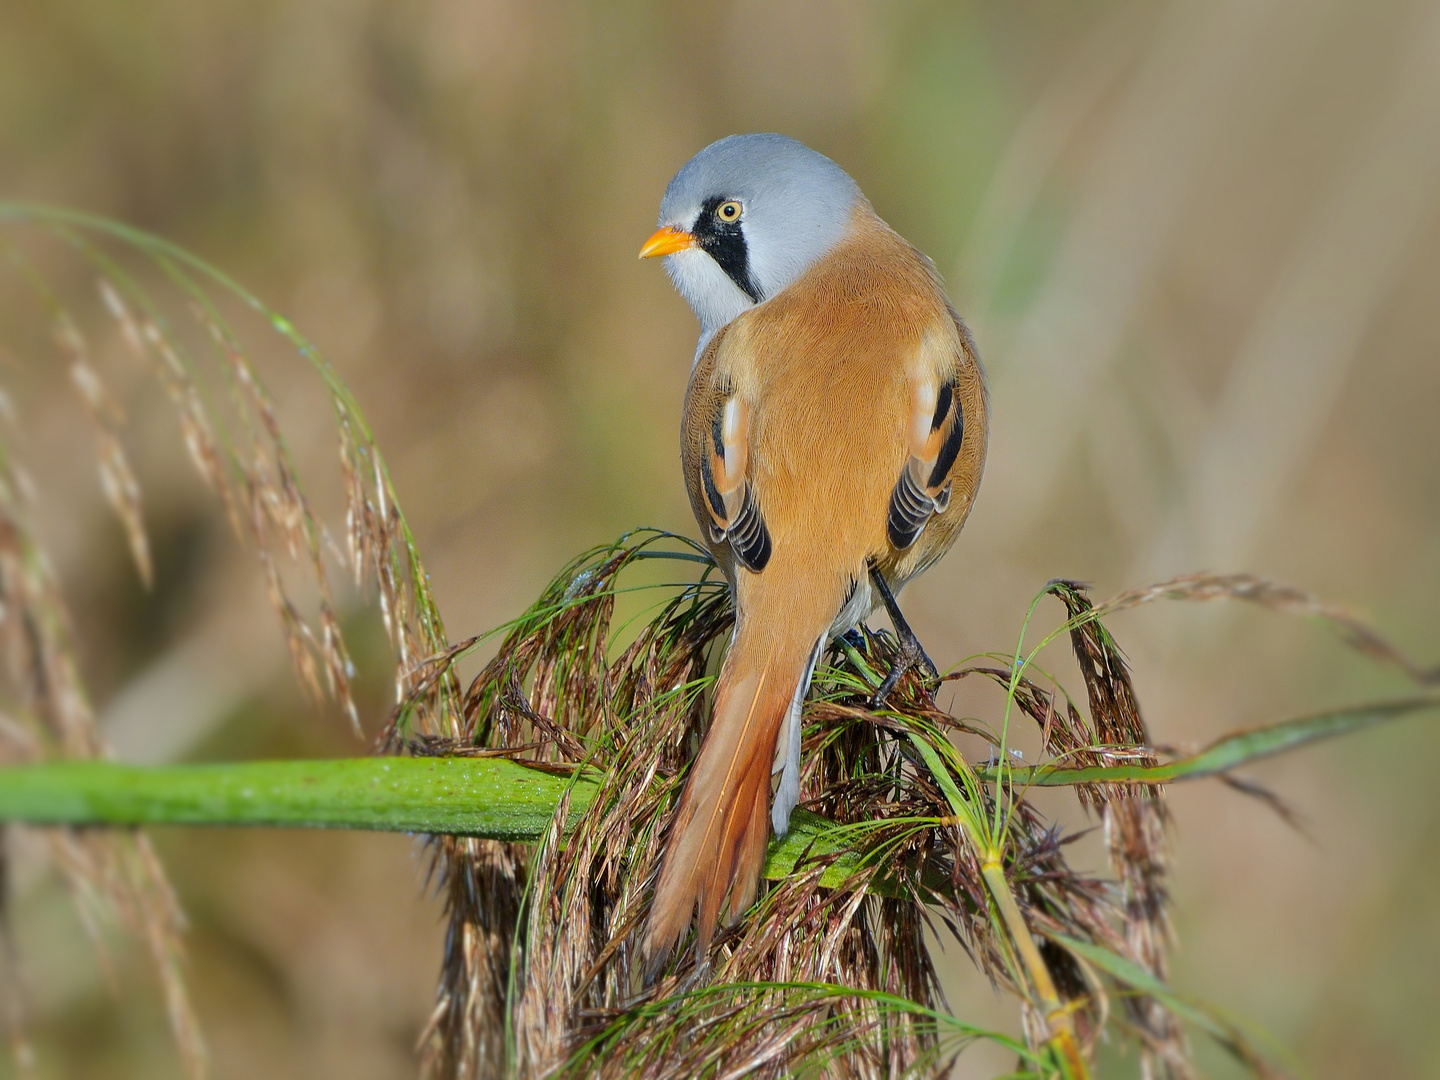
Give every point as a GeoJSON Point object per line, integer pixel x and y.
{"type": "Point", "coordinates": [744, 529]}
{"type": "Point", "coordinates": [943, 401]}
{"type": "Point", "coordinates": [748, 536]}
{"type": "Point", "coordinates": [910, 509]}
{"type": "Point", "coordinates": [712, 495]}
{"type": "Point", "coordinates": [950, 448]}
{"type": "Point", "coordinates": [913, 501]}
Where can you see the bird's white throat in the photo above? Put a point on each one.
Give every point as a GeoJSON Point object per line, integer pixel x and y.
{"type": "Point", "coordinates": [712, 295]}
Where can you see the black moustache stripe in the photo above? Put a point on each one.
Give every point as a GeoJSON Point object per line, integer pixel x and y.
{"type": "Point", "coordinates": [724, 241]}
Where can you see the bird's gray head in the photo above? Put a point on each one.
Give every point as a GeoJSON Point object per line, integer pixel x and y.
{"type": "Point", "coordinates": [744, 218]}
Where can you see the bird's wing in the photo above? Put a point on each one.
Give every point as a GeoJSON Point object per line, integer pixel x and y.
{"type": "Point", "coordinates": [936, 433]}
{"type": "Point", "coordinates": [734, 514]}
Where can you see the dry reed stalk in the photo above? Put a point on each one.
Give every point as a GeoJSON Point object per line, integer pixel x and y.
{"type": "Point", "coordinates": [112, 876]}
{"type": "Point", "coordinates": [116, 877]}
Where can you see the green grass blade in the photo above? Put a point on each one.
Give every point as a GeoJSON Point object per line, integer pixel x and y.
{"type": "Point", "coordinates": [506, 800]}
{"type": "Point", "coordinates": [1227, 753]}
{"type": "Point", "coordinates": [495, 798]}
{"type": "Point", "coordinates": [491, 797]}
{"type": "Point", "coordinates": [698, 1007]}
{"type": "Point", "coordinates": [812, 836]}
{"type": "Point", "coordinates": [1228, 1032]}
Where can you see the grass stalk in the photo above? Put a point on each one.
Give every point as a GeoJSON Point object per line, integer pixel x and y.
{"type": "Point", "coordinates": [489, 797]}
{"type": "Point", "coordinates": [493, 798]}
{"type": "Point", "coordinates": [1058, 1018]}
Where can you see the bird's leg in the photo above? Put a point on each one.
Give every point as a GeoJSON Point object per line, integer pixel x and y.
{"type": "Point", "coordinates": [911, 651]}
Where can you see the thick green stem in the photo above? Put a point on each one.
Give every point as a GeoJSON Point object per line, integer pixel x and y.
{"type": "Point", "coordinates": [490, 797]}
{"type": "Point", "coordinates": [1057, 1017]}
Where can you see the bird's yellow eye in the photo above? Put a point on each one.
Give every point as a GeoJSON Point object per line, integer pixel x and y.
{"type": "Point", "coordinates": [728, 211]}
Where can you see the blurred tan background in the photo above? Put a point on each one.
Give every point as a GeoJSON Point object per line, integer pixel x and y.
{"type": "Point", "coordinates": [1197, 242]}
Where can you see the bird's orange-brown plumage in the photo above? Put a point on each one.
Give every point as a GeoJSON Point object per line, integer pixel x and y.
{"type": "Point", "coordinates": [828, 373]}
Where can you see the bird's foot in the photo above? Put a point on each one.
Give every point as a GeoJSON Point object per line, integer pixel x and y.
{"type": "Point", "coordinates": [911, 655]}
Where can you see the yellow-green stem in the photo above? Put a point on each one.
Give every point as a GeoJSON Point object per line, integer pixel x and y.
{"type": "Point", "coordinates": [1057, 1017]}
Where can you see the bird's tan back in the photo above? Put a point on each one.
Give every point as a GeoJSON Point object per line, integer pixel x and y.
{"type": "Point", "coordinates": [827, 367]}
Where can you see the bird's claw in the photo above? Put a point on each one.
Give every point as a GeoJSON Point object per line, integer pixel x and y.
{"type": "Point", "coordinates": [911, 655]}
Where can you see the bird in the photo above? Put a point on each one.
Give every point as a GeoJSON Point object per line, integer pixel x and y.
{"type": "Point", "coordinates": [832, 440]}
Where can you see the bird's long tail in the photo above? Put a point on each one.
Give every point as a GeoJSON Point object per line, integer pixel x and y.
{"type": "Point", "coordinates": [722, 825]}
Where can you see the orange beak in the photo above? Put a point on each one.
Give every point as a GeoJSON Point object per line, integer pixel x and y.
{"type": "Point", "coordinates": [666, 241]}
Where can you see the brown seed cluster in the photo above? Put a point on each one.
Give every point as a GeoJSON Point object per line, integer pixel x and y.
{"type": "Point", "coordinates": [114, 877]}
{"type": "Point", "coordinates": [542, 972]}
